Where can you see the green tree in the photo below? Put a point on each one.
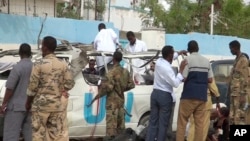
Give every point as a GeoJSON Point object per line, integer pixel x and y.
{"type": "Point", "coordinates": [156, 12]}
{"type": "Point", "coordinates": [181, 17]}
{"type": "Point", "coordinates": [72, 9]}
{"type": "Point", "coordinates": [99, 6]}
{"type": "Point", "coordinates": [69, 10]}
{"type": "Point", "coordinates": [231, 17]}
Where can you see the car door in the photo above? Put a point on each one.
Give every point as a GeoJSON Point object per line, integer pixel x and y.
{"type": "Point", "coordinates": [222, 70]}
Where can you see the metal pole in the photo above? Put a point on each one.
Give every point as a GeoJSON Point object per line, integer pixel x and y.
{"type": "Point", "coordinates": [88, 5]}
{"type": "Point", "coordinates": [95, 9]}
{"type": "Point", "coordinates": [8, 6]}
{"type": "Point", "coordinates": [212, 20]}
{"type": "Point", "coordinates": [109, 11]}
{"type": "Point", "coordinates": [34, 14]}
{"type": "Point", "coordinates": [25, 3]}
{"type": "Point", "coordinates": [82, 3]}
{"type": "Point", "coordinates": [55, 8]}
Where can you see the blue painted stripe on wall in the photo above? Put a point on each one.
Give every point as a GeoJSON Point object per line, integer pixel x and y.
{"type": "Point", "coordinates": [208, 44]}
{"type": "Point", "coordinates": [19, 29]}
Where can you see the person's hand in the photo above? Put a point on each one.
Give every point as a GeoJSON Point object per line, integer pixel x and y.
{"type": "Point", "coordinates": [243, 100]}
{"type": "Point", "coordinates": [218, 105]}
{"type": "Point", "coordinates": [65, 94]}
{"type": "Point", "coordinates": [28, 106]}
{"type": "Point", "coordinates": [3, 108]}
{"type": "Point", "coordinates": [218, 112]}
{"type": "Point", "coordinates": [182, 65]}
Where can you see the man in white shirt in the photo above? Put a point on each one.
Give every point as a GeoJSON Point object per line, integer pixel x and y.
{"type": "Point", "coordinates": [135, 46]}
{"type": "Point", "coordinates": [161, 101]}
{"type": "Point", "coordinates": [106, 40]}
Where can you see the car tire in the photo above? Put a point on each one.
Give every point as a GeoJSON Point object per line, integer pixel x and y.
{"type": "Point", "coordinates": [144, 120]}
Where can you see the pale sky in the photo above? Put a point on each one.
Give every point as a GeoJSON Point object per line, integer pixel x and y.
{"type": "Point", "coordinates": [167, 6]}
{"type": "Point", "coordinates": [126, 3]}
{"type": "Point", "coordinates": [246, 1]}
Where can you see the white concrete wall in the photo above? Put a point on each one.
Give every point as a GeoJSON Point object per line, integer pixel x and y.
{"type": "Point", "coordinates": [40, 7]}
{"type": "Point", "coordinates": [124, 19]}
{"type": "Point", "coordinates": [153, 37]}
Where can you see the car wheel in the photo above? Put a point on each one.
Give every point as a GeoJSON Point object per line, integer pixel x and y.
{"type": "Point", "coordinates": [144, 120]}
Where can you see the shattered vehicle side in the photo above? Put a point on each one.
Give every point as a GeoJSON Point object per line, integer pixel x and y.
{"type": "Point", "coordinates": [84, 121]}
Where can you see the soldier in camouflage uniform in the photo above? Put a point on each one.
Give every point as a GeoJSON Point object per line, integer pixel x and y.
{"type": "Point", "coordinates": [49, 81]}
{"type": "Point", "coordinates": [238, 85]}
{"type": "Point", "coordinates": [118, 80]}
{"type": "Point", "coordinates": [248, 93]}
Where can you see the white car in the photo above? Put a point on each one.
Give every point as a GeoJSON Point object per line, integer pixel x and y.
{"type": "Point", "coordinates": [84, 121]}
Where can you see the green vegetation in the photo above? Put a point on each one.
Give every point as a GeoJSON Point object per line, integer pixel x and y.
{"type": "Point", "coordinates": [231, 17]}
{"type": "Point", "coordinates": [69, 10]}
{"type": "Point", "coordinates": [73, 9]}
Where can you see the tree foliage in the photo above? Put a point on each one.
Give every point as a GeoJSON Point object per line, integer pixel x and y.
{"type": "Point", "coordinates": [232, 17]}
{"type": "Point", "coordinates": [72, 9]}
{"type": "Point", "coordinates": [69, 10]}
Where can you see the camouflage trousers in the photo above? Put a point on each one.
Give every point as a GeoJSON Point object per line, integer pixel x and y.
{"type": "Point", "coordinates": [237, 112]}
{"type": "Point", "coordinates": [115, 121]}
{"type": "Point", "coordinates": [248, 110]}
{"type": "Point", "coordinates": [50, 126]}
{"type": "Point", "coordinates": [248, 116]}
{"type": "Point", "coordinates": [65, 135]}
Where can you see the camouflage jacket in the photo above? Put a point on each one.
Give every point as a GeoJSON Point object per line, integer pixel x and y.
{"type": "Point", "coordinates": [118, 80]}
{"type": "Point", "coordinates": [49, 77]}
{"type": "Point", "coordinates": [248, 88]}
{"type": "Point", "coordinates": [239, 77]}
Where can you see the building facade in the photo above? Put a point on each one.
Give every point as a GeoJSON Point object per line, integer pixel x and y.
{"type": "Point", "coordinates": [125, 14]}
{"type": "Point", "coordinates": [36, 8]}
